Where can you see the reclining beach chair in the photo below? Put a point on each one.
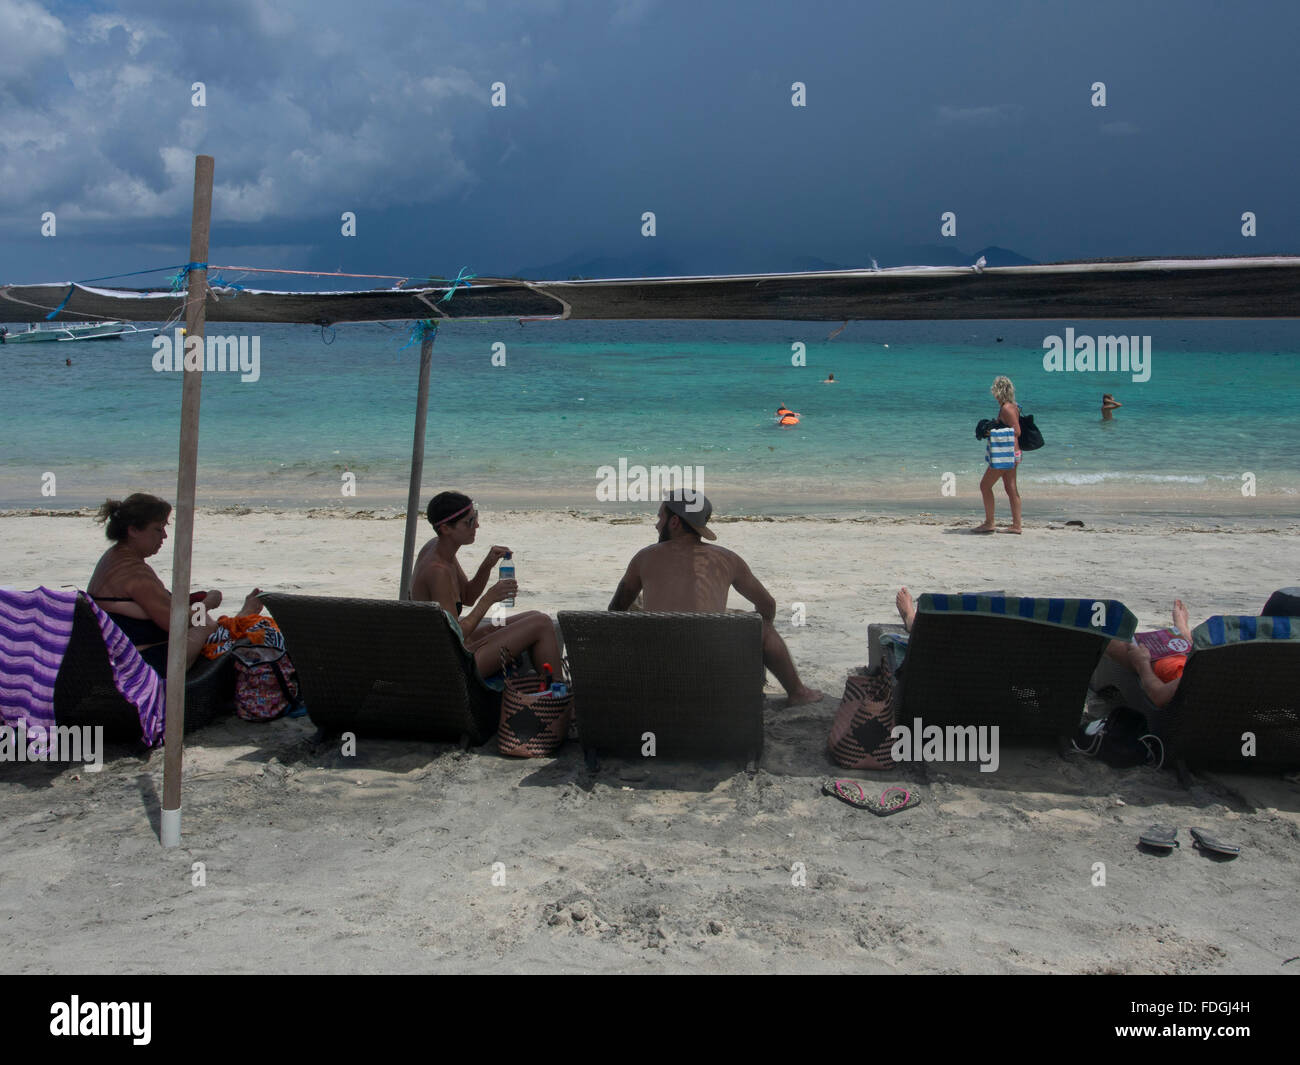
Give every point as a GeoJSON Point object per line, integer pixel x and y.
{"type": "Point", "coordinates": [1242, 676]}
{"type": "Point", "coordinates": [85, 692]}
{"type": "Point", "coordinates": [385, 667]}
{"type": "Point", "coordinates": [1022, 664]}
{"type": "Point", "coordinates": [55, 664]}
{"type": "Point", "coordinates": [693, 680]}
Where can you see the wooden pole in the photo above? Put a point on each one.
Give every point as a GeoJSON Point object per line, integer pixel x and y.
{"type": "Point", "coordinates": [183, 534]}
{"type": "Point", "coordinates": [417, 465]}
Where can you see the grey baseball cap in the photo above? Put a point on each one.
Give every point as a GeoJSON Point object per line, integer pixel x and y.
{"type": "Point", "coordinates": [693, 508]}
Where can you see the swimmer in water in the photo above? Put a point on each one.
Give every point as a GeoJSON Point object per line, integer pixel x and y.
{"type": "Point", "coordinates": [1108, 404]}
{"type": "Point", "coordinates": [830, 379]}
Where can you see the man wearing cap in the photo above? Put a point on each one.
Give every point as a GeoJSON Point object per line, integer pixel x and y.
{"type": "Point", "coordinates": [681, 573]}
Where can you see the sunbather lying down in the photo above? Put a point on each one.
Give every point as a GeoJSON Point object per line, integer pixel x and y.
{"type": "Point", "coordinates": [1159, 679]}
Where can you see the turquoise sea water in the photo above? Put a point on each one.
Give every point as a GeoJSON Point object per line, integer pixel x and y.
{"type": "Point", "coordinates": [1221, 402]}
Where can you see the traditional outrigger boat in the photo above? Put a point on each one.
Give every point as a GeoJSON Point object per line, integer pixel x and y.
{"type": "Point", "coordinates": [72, 331]}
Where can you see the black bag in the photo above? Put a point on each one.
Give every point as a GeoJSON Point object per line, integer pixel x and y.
{"type": "Point", "coordinates": [983, 426]}
{"type": "Point", "coordinates": [1121, 740]}
{"type": "Point", "coordinates": [1030, 438]}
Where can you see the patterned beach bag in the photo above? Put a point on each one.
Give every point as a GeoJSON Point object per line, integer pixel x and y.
{"type": "Point", "coordinates": [533, 723]}
{"type": "Point", "coordinates": [266, 684]}
{"type": "Point", "coordinates": [860, 734]}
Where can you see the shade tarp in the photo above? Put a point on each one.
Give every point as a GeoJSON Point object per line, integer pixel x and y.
{"type": "Point", "coordinates": [1141, 288]}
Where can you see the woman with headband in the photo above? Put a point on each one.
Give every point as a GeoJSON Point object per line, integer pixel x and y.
{"type": "Point", "coordinates": [439, 578]}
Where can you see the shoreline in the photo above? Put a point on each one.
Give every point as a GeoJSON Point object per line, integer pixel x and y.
{"type": "Point", "coordinates": [1093, 520]}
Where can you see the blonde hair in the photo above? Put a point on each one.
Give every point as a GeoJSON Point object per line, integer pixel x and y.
{"type": "Point", "coordinates": [1003, 390]}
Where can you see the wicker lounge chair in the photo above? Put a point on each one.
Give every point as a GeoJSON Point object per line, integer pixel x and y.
{"type": "Point", "coordinates": [1022, 664]}
{"type": "Point", "coordinates": [693, 680]}
{"type": "Point", "coordinates": [1243, 675]}
{"type": "Point", "coordinates": [385, 667]}
{"type": "Point", "coordinates": [85, 694]}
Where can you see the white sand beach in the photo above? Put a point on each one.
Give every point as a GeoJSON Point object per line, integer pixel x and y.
{"type": "Point", "coordinates": [316, 862]}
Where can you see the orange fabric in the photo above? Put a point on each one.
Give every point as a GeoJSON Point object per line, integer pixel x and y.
{"type": "Point", "coordinates": [1170, 667]}
{"type": "Point", "coordinates": [249, 625]}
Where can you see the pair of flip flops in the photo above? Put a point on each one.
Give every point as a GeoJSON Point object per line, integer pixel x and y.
{"type": "Point", "coordinates": [1164, 839]}
{"type": "Point", "coordinates": [891, 800]}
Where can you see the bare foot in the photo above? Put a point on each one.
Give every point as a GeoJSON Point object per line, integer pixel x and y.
{"type": "Point", "coordinates": [252, 604]}
{"type": "Point", "coordinates": [985, 528]}
{"type": "Point", "coordinates": [1182, 620]}
{"type": "Point", "coordinates": [1015, 529]}
{"type": "Point", "coordinates": [906, 607]}
{"type": "Point", "coordinates": [803, 696]}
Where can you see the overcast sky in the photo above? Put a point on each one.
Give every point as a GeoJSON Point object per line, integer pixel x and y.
{"type": "Point", "coordinates": [317, 107]}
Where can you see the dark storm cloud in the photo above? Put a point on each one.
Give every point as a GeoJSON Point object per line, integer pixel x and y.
{"type": "Point", "coordinates": [683, 109]}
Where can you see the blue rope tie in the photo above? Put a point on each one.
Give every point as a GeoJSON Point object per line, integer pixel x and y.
{"type": "Point", "coordinates": [462, 278]}
{"type": "Point", "coordinates": [179, 281]}
{"type": "Point", "coordinates": [419, 330]}
{"type": "Point", "coordinates": [54, 313]}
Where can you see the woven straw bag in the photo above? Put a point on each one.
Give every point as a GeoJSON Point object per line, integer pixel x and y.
{"type": "Point", "coordinates": [533, 723]}
{"type": "Point", "coordinates": [860, 734]}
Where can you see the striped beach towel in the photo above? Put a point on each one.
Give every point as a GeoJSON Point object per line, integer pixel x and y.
{"type": "Point", "coordinates": [1219, 631]}
{"type": "Point", "coordinates": [35, 628]}
{"type": "Point", "coordinates": [1101, 617]}
{"type": "Point", "coordinates": [1001, 448]}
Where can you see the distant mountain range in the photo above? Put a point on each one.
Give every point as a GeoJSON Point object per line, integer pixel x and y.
{"type": "Point", "coordinates": [584, 266]}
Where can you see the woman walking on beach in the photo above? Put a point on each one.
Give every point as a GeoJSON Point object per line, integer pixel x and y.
{"type": "Point", "coordinates": [1009, 415]}
{"type": "Point", "coordinates": [438, 578]}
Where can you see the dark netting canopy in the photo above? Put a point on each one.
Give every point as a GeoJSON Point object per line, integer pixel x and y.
{"type": "Point", "coordinates": [1112, 288]}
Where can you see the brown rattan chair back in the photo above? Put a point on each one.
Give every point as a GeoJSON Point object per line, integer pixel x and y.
{"type": "Point", "coordinates": [384, 667]}
{"type": "Point", "coordinates": [1021, 664]}
{"type": "Point", "coordinates": [85, 694]}
{"type": "Point", "coordinates": [1239, 687]}
{"type": "Point", "coordinates": [694, 681]}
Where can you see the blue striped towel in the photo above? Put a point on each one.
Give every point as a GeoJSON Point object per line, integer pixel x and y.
{"type": "Point", "coordinates": [1001, 448]}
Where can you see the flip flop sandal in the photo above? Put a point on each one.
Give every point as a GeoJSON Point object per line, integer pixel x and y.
{"type": "Point", "coordinates": [1159, 838]}
{"type": "Point", "coordinates": [891, 800]}
{"type": "Point", "coordinates": [1205, 842]}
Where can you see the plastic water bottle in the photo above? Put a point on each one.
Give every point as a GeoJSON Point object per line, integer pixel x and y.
{"type": "Point", "coordinates": [507, 573]}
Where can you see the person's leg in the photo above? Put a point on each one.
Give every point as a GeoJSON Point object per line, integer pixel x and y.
{"type": "Point", "coordinates": [531, 631]}
{"type": "Point", "coordinates": [195, 638]}
{"type": "Point", "coordinates": [906, 607]}
{"type": "Point", "coordinates": [1182, 621]}
{"type": "Point", "coordinates": [1013, 496]}
{"type": "Point", "coordinates": [986, 490]}
{"type": "Point", "coordinates": [776, 657]}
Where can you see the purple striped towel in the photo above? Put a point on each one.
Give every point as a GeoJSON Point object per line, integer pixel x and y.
{"type": "Point", "coordinates": [35, 628]}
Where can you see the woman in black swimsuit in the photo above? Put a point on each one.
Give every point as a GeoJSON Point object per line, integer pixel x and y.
{"type": "Point", "coordinates": [132, 594]}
